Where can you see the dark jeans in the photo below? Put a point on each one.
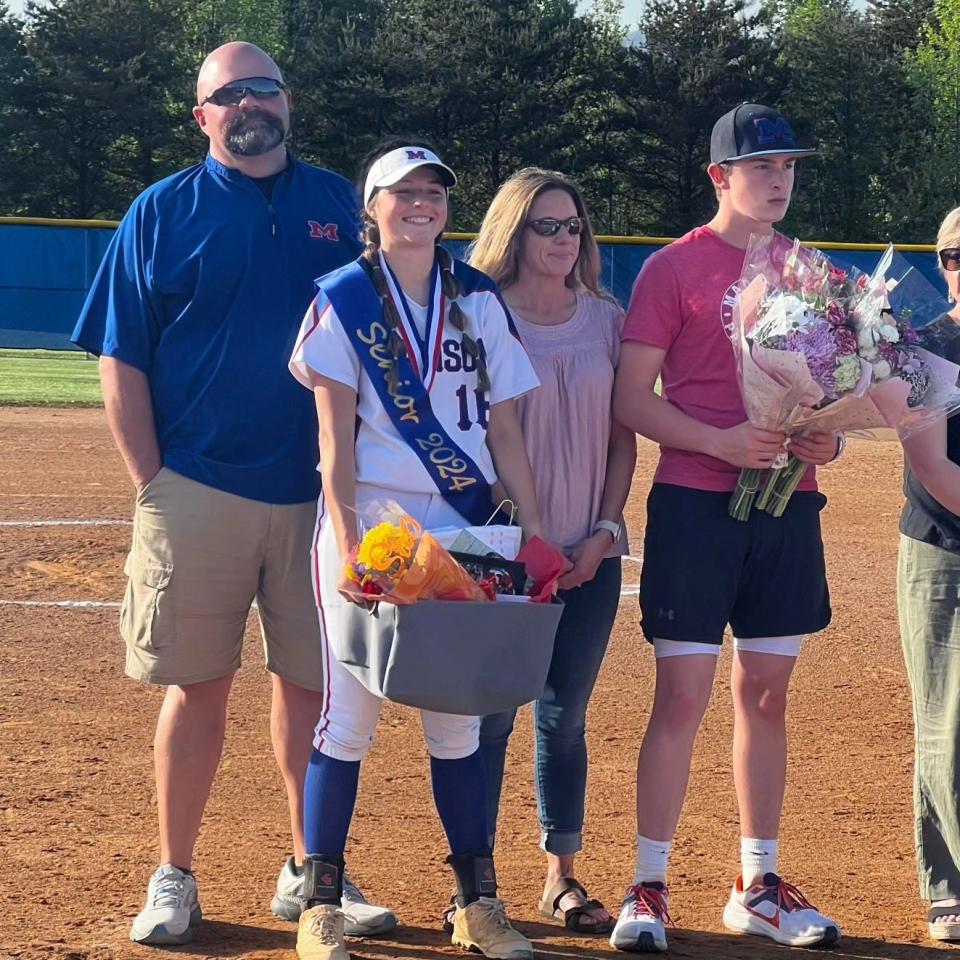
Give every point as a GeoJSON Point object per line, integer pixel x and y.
{"type": "Point", "coordinates": [559, 715]}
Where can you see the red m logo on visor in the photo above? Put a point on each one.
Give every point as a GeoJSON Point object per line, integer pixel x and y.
{"type": "Point", "coordinates": [416, 155]}
{"type": "Point", "coordinates": [323, 231]}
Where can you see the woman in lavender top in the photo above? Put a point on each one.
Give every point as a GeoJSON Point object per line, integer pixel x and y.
{"type": "Point", "coordinates": [536, 242]}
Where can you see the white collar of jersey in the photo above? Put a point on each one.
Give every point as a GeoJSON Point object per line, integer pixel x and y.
{"type": "Point", "coordinates": [424, 352]}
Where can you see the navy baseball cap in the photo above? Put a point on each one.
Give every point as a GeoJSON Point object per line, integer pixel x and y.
{"type": "Point", "coordinates": [752, 130]}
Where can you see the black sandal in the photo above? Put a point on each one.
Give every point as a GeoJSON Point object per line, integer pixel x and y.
{"type": "Point", "coordinates": [573, 918]}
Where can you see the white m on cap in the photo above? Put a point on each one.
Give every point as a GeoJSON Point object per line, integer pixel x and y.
{"type": "Point", "coordinates": [395, 165]}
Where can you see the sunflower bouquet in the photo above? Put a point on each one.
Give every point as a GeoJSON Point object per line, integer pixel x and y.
{"type": "Point", "coordinates": [400, 562]}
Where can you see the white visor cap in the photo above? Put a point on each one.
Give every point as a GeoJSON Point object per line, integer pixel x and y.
{"type": "Point", "coordinates": [395, 165]}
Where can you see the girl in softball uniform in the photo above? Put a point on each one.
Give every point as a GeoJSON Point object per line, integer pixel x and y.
{"type": "Point", "coordinates": [412, 357]}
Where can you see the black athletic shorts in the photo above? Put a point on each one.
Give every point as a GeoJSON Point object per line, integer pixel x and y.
{"type": "Point", "coordinates": [702, 569]}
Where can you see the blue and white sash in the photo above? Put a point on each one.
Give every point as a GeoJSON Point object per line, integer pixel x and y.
{"type": "Point", "coordinates": [457, 478]}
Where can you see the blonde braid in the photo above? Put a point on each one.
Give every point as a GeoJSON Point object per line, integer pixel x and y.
{"type": "Point", "coordinates": [453, 290]}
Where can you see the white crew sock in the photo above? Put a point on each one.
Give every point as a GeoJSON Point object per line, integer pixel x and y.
{"type": "Point", "coordinates": [757, 858]}
{"type": "Point", "coordinates": [652, 856]}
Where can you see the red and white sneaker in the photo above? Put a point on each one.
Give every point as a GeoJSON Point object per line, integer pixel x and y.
{"type": "Point", "coordinates": [776, 909]}
{"type": "Point", "coordinates": [640, 926]}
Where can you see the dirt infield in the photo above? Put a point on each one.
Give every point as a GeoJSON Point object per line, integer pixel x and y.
{"type": "Point", "coordinates": [77, 811]}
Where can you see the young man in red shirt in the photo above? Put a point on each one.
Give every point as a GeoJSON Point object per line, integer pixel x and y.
{"type": "Point", "coordinates": [702, 568]}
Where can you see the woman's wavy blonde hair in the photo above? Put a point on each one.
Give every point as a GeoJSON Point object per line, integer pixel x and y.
{"type": "Point", "coordinates": [496, 251]}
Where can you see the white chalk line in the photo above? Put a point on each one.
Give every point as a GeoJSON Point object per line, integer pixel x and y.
{"type": "Point", "coordinates": [631, 590]}
{"type": "Point", "coordinates": [114, 604]}
{"type": "Point", "coordinates": [70, 604]}
{"type": "Point", "coordinates": [65, 523]}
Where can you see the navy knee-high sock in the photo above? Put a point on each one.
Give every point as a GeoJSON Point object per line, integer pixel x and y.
{"type": "Point", "coordinates": [459, 792]}
{"type": "Point", "coordinates": [329, 796]}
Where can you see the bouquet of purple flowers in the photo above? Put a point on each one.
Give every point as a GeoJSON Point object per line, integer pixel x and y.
{"type": "Point", "coordinates": [821, 349]}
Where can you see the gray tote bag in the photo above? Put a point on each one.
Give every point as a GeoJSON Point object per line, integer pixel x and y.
{"type": "Point", "coordinates": [469, 658]}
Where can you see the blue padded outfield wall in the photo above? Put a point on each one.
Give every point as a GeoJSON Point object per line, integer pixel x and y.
{"type": "Point", "coordinates": [45, 271]}
{"type": "Point", "coordinates": [47, 266]}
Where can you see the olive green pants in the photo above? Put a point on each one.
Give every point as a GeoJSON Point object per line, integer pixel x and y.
{"type": "Point", "coordinates": [928, 597]}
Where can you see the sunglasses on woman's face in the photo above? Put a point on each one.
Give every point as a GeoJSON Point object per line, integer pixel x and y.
{"type": "Point", "coordinates": [550, 226]}
{"type": "Point", "coordinates": [950, 259]}
{"type": "Point", "coordinates": [230, 94]}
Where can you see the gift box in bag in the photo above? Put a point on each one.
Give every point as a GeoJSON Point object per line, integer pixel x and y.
{"type": "Point", "coordinates": [450, 657]}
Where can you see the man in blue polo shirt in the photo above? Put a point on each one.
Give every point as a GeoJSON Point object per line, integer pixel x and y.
{"type": "Point", "coordinates": [193, 314]}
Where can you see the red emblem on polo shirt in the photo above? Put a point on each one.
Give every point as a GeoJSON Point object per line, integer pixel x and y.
{"type": "Point", "coordinates": [324, 231]}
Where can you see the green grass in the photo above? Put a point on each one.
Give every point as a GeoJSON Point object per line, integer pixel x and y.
{"type": "Point", "coordinates": [48, 378]}
{"type": "Point", "coordinates": [53, 378]}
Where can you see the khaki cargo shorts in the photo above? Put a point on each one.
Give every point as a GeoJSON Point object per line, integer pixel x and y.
{"type": "Point", "coordinates": [199, 559]}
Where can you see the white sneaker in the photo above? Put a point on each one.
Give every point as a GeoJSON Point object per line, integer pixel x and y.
{"type": "Point", "coordinates": [361, 918]}
{"type": "Point", "coordinates": [172, 908]}
{"type": "Point", "coordinates": [320, 935]}
{"type": "Point", "coordinates": [778, 910]}
{"type": "Point", "coordinates": [643, 914]}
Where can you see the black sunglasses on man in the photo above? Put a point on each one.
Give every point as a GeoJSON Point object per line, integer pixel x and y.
{"type": "Point", "coordinates": [230, 94]}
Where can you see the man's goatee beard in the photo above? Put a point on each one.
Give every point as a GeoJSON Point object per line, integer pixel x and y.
{"type": "Point", "coordinates": [253, 134]}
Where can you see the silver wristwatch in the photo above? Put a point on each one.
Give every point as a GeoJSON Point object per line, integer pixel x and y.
{"type": "Point", "coordinates": [612, 528]}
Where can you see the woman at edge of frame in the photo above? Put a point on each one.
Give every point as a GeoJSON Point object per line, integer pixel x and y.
{"type": "Point", "coordinates": [536, 242]}
{"type": "Point", "coordinates": [454, 367]}
{"type": "Point", "coordinates": [928, 600]}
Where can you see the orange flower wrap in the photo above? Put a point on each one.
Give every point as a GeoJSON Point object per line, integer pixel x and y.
{"type": "Point", "coordinates": [399, 562]}
{"type": "Point", "coordinates": [434, 575]}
